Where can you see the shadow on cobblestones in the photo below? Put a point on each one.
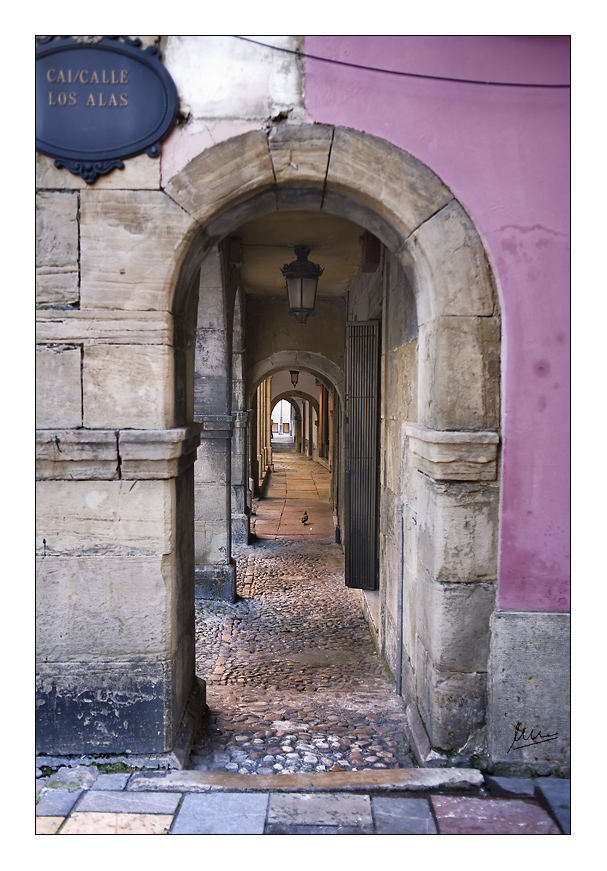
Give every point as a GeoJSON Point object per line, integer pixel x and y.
{"type": "Point", "coordinates": [294, 682]}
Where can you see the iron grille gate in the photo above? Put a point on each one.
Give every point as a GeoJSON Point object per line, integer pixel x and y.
{"type": "Point", "coordinates": [362, 356]}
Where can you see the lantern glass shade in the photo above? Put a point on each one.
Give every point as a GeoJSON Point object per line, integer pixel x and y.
{"type": "Point", "coordinates": [302, 280]}
{"type": "Point", "coordinates": [302, 296]}
{"type": "Point", "coordinates": [294, 376]}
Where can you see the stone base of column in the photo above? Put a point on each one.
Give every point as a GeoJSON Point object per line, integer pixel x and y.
{"type": "Point", "coordinates": [216, 582]}
{"type": "Point", "coordinates": [129, 704]}
{"type": "Point", "coordinates": [240, 529]}
{"type": "Point", "coordinates": [177, 758]}
{"type": "Point", "coordinates": [418, 739]}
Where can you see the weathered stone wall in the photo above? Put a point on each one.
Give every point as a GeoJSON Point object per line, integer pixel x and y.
{"type": "Point", "coordinates": [529, 694]}
{"type": "Point", "coordinates": [115, 608]}
{"type": "Point", "coordinates": [439, 494]}
{"type": "Point", "coordinates": [114, 535]}
{"type": "Point", "coordinates": [389, 297]}
{"type": "Point", "coordinates": [399, 405]}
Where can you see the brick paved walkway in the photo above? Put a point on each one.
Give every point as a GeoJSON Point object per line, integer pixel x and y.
{"type": "Point", "coordinates": [294, 682]}
{"type": "Point", "coordinates": [80, 800]}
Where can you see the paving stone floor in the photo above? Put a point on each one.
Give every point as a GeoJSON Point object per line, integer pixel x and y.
{"type": "Point", "coordinates": [78, 800]}
{"type": "Point", "coordinates": [294, 681]}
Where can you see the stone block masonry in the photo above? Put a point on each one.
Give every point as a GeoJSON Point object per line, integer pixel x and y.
{"type": "Point", "coordinates": [529, 700]}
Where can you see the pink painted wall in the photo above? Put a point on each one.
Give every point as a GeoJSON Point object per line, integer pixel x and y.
{"type": "Point", "coordinates": [504, 152]}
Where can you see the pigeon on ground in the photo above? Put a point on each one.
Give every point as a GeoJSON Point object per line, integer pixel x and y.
{"type": "Point", "coordinates": [304, 518]}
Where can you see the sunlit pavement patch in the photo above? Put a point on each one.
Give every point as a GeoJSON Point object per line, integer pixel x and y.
{"type": "Point", "coordinates": [99, 823]}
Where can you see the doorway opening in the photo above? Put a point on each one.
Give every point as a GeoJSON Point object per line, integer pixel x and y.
{"type": "Point", "coordinates": [293, 676]}
{"type": "Point", "coordinates": [284, 426]}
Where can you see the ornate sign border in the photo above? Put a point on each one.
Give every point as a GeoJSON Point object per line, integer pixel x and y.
{"type": "Point", "coordinates": [91, 163]}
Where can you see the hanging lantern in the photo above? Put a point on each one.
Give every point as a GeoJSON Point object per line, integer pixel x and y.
{"type": "Point", "coordinates": [302, 280]}
{"type": "Point", "coordinates": [294, 376]}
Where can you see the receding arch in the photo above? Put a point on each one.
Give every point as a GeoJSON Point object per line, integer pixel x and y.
{"type": "Point", "coordinates": [316, 364]}
{"type": "Point", "coordinates": [296, 394]}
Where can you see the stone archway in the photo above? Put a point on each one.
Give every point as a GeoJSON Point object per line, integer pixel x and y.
{"type": "Point", "coordinates": [127, 441]}
{"type": "Point", "coordinates": [316, 364]}
{"type": "Point", "coordinates": [294, 431]}
{"type": "Point", "coordinates": [299, 394]}
{"type": "Point", "coordinates": [449, 488]}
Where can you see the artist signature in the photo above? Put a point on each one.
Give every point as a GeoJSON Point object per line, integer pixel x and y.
{"type": "Point", "coordinates": [524, 737]}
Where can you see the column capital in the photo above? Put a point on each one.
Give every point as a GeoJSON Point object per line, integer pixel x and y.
{"type": "Point", "coordinates": [157, 453]}
{"type": "Point", "coordinates": [450, 455]}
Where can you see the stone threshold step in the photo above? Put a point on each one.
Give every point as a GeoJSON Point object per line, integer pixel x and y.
{"type": "Point", "coordinates": [401, 780]}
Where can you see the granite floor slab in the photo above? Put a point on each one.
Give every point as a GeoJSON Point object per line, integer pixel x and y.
{"type": "Point", "coordinates": [222, 814]}
{"type": "Point", "coordinates": [334, 810]}
{"type": "Point", "coordinates": [511, 786]}
{"type": "Point", "coordinates": [556, 792]}
{"type": "Point", "coordinates": [106, 801]}
{"type": "Point", "coordinates": [463, 815]}
{"type": "Point", "coordinates": [293, 813]}
{"type": "Point", "coordinates": [112, 781]}
{"type": "Point", "coordinates": [402, 816]}
{"type": "Point", "coordinates": [57, 802]}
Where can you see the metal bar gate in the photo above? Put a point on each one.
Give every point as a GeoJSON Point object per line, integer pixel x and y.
{"type": "Point", "coordinates": [361, 436]}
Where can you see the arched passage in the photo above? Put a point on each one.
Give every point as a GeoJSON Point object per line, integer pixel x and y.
{"type": "Point", "coordinates": [286, 422]}
{"type": "Point", "coordinates": [442, 454]}
{"type": "Point", "coordinates": [317, 364]}
{"type": "Point", "coordinates": [289, 394]}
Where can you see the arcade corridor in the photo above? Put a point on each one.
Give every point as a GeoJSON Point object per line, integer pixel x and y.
{"type": "Point", "coordinates": [294, 682]}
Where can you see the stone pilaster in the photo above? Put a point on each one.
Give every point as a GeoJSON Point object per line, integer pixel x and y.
{"type": "Point", "coordinates": [451, 543]}
{"type": "Point", "coordinates": [115, 567]}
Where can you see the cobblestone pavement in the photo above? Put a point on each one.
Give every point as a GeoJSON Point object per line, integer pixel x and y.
{"type": "Point", "coordinates": [294, 682]}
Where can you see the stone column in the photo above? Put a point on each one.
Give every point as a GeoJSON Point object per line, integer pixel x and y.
{"type": "Point", "coordinates": [267, 424]}
{"type": "Point", "coordinates": [259, 438]}
{"type": "Point", "coordinates": [240, 508]}
{"type": "Point", "coordinates": [297, 428]}
{"type": "Point", "coordinates": [253, 459]}
{"type": "Point", "coordinates": [263, 420]}
{"type": "Point", "coordinates": [310, 446]}
{"type": "Point", "coordinates": [263, 433]}
{"type": "Point", "coordinates": [215, 569]}
{"type": "Point", "coordinates": [115, 623]}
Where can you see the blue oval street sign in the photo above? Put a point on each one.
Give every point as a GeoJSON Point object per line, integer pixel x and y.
{"type": "Point", "coordinates": [98, 103]}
